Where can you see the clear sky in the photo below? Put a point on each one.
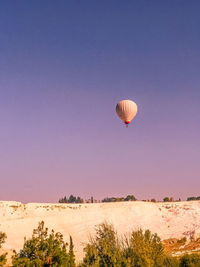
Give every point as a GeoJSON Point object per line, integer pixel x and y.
{"type": "Point", "coordinates": [63, 67]}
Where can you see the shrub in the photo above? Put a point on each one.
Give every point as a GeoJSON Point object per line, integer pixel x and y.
{"type": "Point", "coordinates": [182, 241]}
{"type": "Point", "coordinates": [104, 248]}
{"type": "Point", "coordinates": [192, 260]}
{"type": "Point", "coordinates": [3, 256]}
{"type": "Point", "coordinates": [170, 261]}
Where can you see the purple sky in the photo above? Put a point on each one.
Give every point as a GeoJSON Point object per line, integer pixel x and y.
{"type": "Point", "coordinates": [63, 67]}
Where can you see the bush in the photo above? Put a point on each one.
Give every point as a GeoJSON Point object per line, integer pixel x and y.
{"type": "Point", "coordinates": [170, 261]}
{"type": "Point", "coordinates": [43, 249]}
{"type": "Point", "coordinates": [192, 260]}
{"type": "Point", "coordinates": [182, 241]}
{"type": "Point", "coordinates": [104, 248]}
{"type": "Point", "coordinates": [3, 256]}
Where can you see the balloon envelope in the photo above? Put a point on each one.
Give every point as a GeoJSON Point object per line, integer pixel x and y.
{"type": "Point", "coordinates": [126, 110]}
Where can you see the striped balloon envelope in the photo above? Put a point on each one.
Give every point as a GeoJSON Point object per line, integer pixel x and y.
{"type": "Point", "coordinates": [126, 110]}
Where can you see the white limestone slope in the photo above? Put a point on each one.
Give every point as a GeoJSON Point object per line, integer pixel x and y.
{"type": "Point", "coordinates": [169, 220]}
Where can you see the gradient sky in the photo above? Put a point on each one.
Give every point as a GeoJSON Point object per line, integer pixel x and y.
{"type": "Point", "coordinates": [63, 67]}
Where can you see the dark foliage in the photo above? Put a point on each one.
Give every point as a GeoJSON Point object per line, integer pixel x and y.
{"type": "Point", "coordinates": [2, 256]}
{"type": "Point", "coordinates": [71, 199]}
{"type": "Point", "coordinates": [192, 260]}
{"type": "Point", "coordinates": [119, 199]}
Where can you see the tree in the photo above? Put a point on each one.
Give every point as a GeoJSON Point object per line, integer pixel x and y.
{"type": "Point", "coordinates": [71, 254]}
{"type": "Point", "coordinates": [130, 198]}
{"type": "Point", "coordinates": [43, 249]}
{"type": "Point", "coordinates": [166, 199]}
{"type": "Point", "coordinates": [63, 200]}
{"type": "Point", "coordinates": [3, 256]}
{"type": "Point", "coordinates": [103, 249]}
{"type": "Point", "coordinates": [71, 199]}
{"type": "Point", "coordinates": [191, 198]}
{"type": "Point", "coordinates": [145, 248]}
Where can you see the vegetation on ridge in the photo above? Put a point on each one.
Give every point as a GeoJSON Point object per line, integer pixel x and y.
{"type": "Point", "coordinates": [104, 249]}
{"type": "Point", "coordinates": [74, 199]}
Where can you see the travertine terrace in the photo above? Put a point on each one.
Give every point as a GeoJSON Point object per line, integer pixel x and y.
{"type": "Point", "coordinates": [169, 220]}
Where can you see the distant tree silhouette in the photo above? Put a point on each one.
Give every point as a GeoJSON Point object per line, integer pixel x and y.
{"type": "Point", "coordinates": [166, 199]}
{"type": "Point", "coordinates": [130, 198]}
{"type": "Point", "coordinates": [191, 198]}
{"type": "Point", "coordinates": [71, 199]}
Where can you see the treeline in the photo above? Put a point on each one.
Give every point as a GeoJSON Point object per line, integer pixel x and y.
{"type": "Point", "coordinates": [73, 199]}
{"type": "Point", "coordinates": [104, 249]}
{"type": "Point", "coordinates": [193, 198]}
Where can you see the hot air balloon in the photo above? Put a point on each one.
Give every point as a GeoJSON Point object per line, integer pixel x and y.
{"type": "Point", "coordinates": [126, 110]}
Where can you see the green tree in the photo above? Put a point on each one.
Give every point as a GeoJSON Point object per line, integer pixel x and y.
{"type": "Point", "coordinates": [145, 248]}
{"type": "Point", "coordinates": [43, 249]}
{"type": "Point", "coordinates": [71, 254]}
{"type": "Point", "coordinates": [103, 250]}
{"type": "Point", "coordinates": [3, 256]}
